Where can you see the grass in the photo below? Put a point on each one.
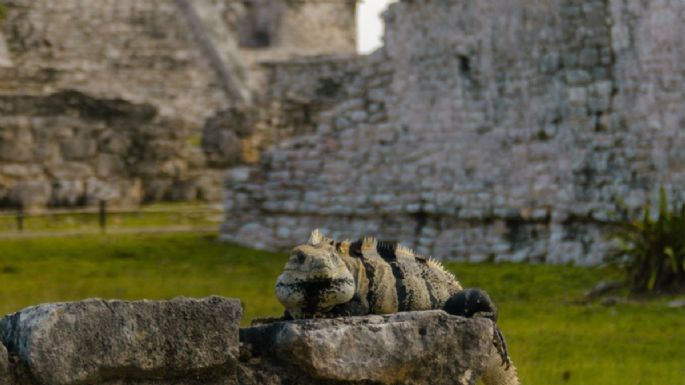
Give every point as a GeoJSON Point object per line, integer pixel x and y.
{"type": "Point", "coordinates": [552, 338]}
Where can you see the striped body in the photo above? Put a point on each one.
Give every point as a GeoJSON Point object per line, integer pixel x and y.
{"type": "Point", "coordinates": [387, 278]}
{"type": "Point", "coordinates": [391, 278]}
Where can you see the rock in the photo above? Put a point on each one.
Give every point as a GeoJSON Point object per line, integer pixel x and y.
{"type": "Point", "coordinates": [107, 165]}
{"type": "Point", "coordinates": [114, 142]}
{"type": "Point", "coordinates": [156, 189]}
{"type": "Point", "coordinates": [222, 133]}
{"type": "Point", "coordinates": [404, 348]}
{"type": "Point", "coordinates": [4, 365]}
{"type": "Point", "coordinates": [603, 287]}
{"type": "Point", "coordinates": [22, 171]}
{"type": "Point", "coordinates": [183, 191]}
{"type": "Point", "coordinates": [611, 301]}
{"type": "Point", "coordinates": [95, 341]}
{"type": "Point", "coordinates": [677, 303]}
{"type": "Point", "coordinates": [79, 148]}
{"type": "Point", "coordinates": [70, 171]}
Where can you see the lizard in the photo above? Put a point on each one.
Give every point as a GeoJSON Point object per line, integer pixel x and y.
{"type": "Point", "coordinates": [326, 278]}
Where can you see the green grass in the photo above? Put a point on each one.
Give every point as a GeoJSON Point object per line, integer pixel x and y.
{"type": "Point", "coordinates": [133, 267]}
{"type": "Point", "coordinates": [548, 331]}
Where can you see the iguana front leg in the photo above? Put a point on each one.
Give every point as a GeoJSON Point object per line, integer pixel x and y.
{"type": "Point", "coordinates": [477, 303]}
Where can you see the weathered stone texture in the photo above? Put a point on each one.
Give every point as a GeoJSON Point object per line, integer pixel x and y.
{"type": "Point", "coordinates": [505, 130]}
{"type": "Point", "coordinates": [139, 51]}
{"type": "Point", "coordinates": [4, 365]}
{"type": "Point", "coordinates": [197, 342]}
{"type": "Point", "coordinates": [96, 341]}
{"type": "Point", "coordinates": [68, 148]}
{"type": "Point", "coordinates": [73, 72]}
{"type": "Point", "coordinates": [405, 348]}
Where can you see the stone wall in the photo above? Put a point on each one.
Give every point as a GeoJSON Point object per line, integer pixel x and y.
{"type": "Point", "coordinates": [199, 341]}
{"type": "Point", "coordinates": [68, 149]}
{"type": "Point", "coordinates": [138, 51]}
{"type": "Point", "coordinates": [152, 51]}
{"type": "Point", "coordinates": [299, 91]}
{"type": "Point", "coordinates": [488, 130]}
{"type": "Point", "coordinates": [181, 61]}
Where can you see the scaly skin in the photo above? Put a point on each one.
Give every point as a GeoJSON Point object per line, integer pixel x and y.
{"type": "Point", "coordinates": [324, 278]}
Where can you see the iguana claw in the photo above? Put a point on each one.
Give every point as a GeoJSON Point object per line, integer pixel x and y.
{"type": "Point", "coordinates": [477, 303]}
{"type": "Point", "coordinates": [501, 346]}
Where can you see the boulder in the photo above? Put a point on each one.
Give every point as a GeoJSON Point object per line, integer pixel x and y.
{"type": "Point", "coordinates": [97, 341]}
{"type": "Point", "coordinates": [429, 347]}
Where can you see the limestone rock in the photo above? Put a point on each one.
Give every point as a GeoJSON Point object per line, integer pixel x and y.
{"type": "Point", "coordinates": [221, 136]}
{"type": "Point", "coordinates": [97, 341]}
{"type": "Point", "coordinates": [405, 348]}
{"type": "Point", "coordinates": [79, 148]}
{"type": "Point", "coordinates": [4, 365]}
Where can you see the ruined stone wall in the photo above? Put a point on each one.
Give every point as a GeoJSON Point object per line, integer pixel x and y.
{"type": "Point", "coordinates": [505, 130]}
{"type": "Point", "coordinates": [183, 61]}
{"type": "Point", "coordinates": [298, 91]}
{"type": "Point", "coordinates": [138, 51]}
{"type": "Point", "coordinates": [68, 149]}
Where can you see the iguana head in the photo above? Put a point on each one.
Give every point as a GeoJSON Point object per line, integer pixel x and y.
{"type": "Point", "coordinates": [314, 279]}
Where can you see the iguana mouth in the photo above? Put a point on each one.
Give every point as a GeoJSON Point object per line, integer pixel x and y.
{"type": "Point", "coordinates": [313, 295]}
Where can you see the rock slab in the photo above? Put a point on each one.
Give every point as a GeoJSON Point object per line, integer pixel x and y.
{"type": "Point", "coordinates": [429, 347]}
{"type": "Point", "coordinates": [98, 341]}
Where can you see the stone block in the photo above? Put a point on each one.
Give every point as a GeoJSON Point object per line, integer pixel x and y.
{"type": "Point", "coordinates": [79, 148]}
{"type": "Point", "coordinates": [107, 166]}
{"type": "Point", "coordinates": [578, 77]}
{"type": "Point", "coordinates": [70, 171]}
{"type": "Point", "coordinates": [21, 171]}
{"type": "Point", "coordinates": [404, 348]}
{"type": "Point", "coordinates": [96, 341]}
{"type": "Point", "coordinates": [589, 57]}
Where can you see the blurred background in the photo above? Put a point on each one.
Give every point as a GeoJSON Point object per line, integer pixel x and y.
{"type": "Point", "coordinates": [150, 149]}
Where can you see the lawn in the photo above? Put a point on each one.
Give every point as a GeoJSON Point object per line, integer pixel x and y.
{"type": "Point", "coordinates": [553, 337]}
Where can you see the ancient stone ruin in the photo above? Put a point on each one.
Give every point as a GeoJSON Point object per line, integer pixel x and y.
{"type": "Point", "coordinates": [503, 130]}
{"type": "Point", "coordinates": [111, 99]}
{"type": "Point", "coordinates": [199, 341]}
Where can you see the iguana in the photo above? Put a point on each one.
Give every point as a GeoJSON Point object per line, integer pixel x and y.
{"type": "Point", "coordinates": [325, 278]}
